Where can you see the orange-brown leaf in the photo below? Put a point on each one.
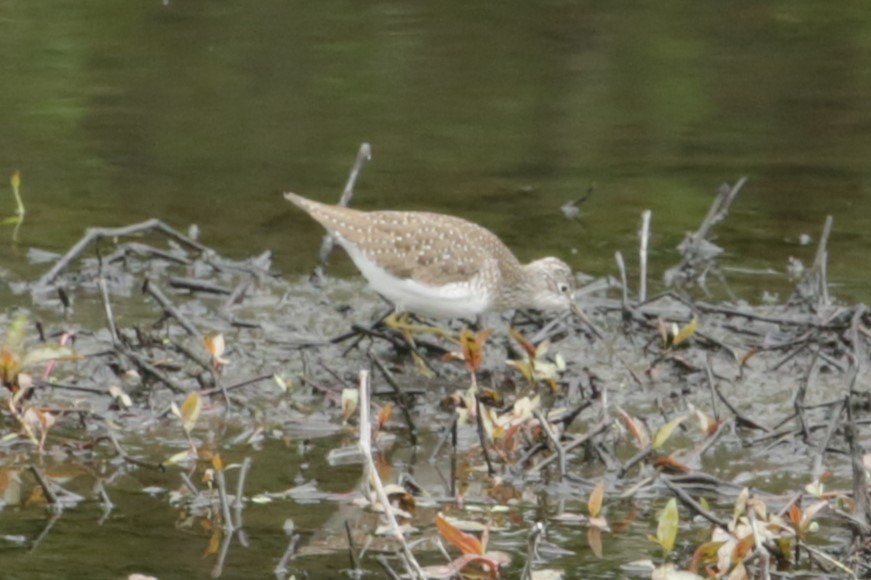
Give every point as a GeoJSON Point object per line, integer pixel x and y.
{"type": "Point", "coordinates": [794, 514]}
{"type": "Point", "coordinates": [636, 429]}
{"type": "Point", "coordinates": [384, 415]}
{"type": "Point", "coordinates": [473, 347]}
{"type": "Point", "coordinates": [743, 548]}
{"type": "Point", "coordinates": [214, 541]}
{"type": "Point", "coordinates": [521, 340]}
{"type": "Point", "coordinates": [467, 543]}
{"type": "Point", "coordinates": [670, 464]}
{"type": "Point", "coordinates": [705, 554]}
{"type": "Point", "coordinates": [594, 504]}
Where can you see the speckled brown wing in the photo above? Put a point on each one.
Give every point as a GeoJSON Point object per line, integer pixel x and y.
{"type": "Point", "coordinates": [413, 244]}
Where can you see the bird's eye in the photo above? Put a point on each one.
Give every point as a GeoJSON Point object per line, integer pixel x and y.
{"type": "Point", "coordinates": [562, 287]}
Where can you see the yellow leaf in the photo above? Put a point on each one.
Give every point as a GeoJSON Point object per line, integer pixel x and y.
{"type": "Point", "coordinates": [666, 528]}
{"type": "Point", "coordinates": [686, 332]}
{"type": "Point", "coordinates": [594, 504]}
{"type": "Point", "coordinates": [217, 463]}
{"type": "Point", "coordinates": [350, 398]}
{"type": "Point", "coordinates": [180, 457]}
{"type": "Point", "coordinates": [190, 411]}
{"type": "Point", "coordinates": [666, 430]}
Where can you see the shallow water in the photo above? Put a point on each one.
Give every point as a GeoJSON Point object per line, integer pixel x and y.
{"type": "Point", "coordinates": [203, 112]}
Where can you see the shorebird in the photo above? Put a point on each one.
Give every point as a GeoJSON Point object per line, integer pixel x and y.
{"type": "Point", "coordinates": [441, 266]}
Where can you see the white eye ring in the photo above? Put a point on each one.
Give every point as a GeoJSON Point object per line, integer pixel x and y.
{"type": "Point", "coordinates": [562, 287]}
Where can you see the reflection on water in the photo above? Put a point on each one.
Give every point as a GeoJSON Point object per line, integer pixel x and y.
{"type": "Point", "coordinates": [203, 112]}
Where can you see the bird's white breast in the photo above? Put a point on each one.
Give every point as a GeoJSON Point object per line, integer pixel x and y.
{"type": "Point", "coordinates": [454, 300]}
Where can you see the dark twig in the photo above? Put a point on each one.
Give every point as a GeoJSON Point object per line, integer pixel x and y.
{"type": "Point", "coordinates": [94, 234]}
{"type": "Point", "coordinates": [148, 287]}
{"type": "Point", "coordinates": [482, 434]}
{"type": "Point", "coordinates": [400, 398]}
{"type": "Point", "coordinates": [47, 489]}
{"type": "Point", "coordinates": [692, 504]}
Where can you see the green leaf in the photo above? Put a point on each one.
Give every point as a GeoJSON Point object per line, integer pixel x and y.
{"type": "Point", "coordinates": [666, 529]}
{"type": "Point", "coordinates": [666, 430]}
{"type": "Point", "coordinates": [15, 335]}
{"type": "Point", "coordinates": [46, 353]}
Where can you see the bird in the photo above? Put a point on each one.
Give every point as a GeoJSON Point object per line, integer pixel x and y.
{"type": "Point", "coordinates": [441, 266]}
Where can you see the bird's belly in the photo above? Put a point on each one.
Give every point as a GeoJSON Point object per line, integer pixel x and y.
{"type": "Point", "coordinates": [454, 300]}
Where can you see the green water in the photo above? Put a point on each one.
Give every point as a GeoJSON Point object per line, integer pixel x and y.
{"type": "Point", "coordinates": [202, 112]}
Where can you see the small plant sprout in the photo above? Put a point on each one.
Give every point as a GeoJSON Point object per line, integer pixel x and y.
{"type": "Point", "coordinates": [18, 218]}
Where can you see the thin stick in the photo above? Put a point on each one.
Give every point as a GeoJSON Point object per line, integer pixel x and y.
{"type": "Point", "coordinates": [93, 234]}
{"type": "Point", "coordinates": [364, 154]}
{"type": "Point", "coordinates": [645, 237]}
{"type": "Point", "coordinates": [148, 287]}
{"type": "Point", "coordinates": [229, 528]}
{"type": "Point", "coordinates": [621, 265]}
{"type": "Point", "coordinates": [238, 504]}
{"type": "Point", "coordinates": [365, 443]}
{"type": "Point", "coordinates": [50, 495]}
{"type": "Point", "coordinates": [107, 307]}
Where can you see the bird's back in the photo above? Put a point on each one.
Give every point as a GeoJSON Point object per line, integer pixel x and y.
{"type": "Point", "coordinates": [431, 248]}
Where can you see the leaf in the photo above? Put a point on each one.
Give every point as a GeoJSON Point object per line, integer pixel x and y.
{"type": "Point", "coordinates": [705, 554]}
{"type": "Point", "coordinates": [350, 399]}
{"type": "Point", "coordinates": [670, 465]}
{"type": "Point", "coordinates": [686, 332]}
{"type": "Point", "coordinates": [14, 339]}
{"type": "Point", "coordinates": [521, 340]}
{"type": "Point", "coordinates": [119, 395]}
{"type": "Point", "coordinates": [666, 528]}
{"type": "Point", "coordinates": [472, 345]}
{"type": "Point", "coordinates": [11, 220]}
{"type": "Point", "coordinates": [190, 411]}
{"type": "Point", "coordinates": [666, 430]}
{"type": "Point", "coordinates": [215, 346]}
{"type": "Point", "coordinates": [181, 457]}
{"type": "Point", "coordinates": [217, 462]}
{"type": "Point", "coordinates": [46, 353]}
{"type": "Point", "coordinates": [594, 504]}
{"type": "Point", "coordinates": [467, 543]}
{"type": "Point", "coordinates": [282, 384]}
{"type": "Point", "coordinates": [525, 368]}
{"type": "Point", "coordinates": [215, 541]}
{"type": "Point", "coordinates": [594, 539]}
{"type": "Point", "coordinates": [15, 180]}
{"type": "Point", "coordinates": [636, 429]}
{"type": "Point", "coordinates": [384, 415]}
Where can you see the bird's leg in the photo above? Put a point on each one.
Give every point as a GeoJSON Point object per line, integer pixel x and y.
{"type": "Point", "coordinates": [400, 322]}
